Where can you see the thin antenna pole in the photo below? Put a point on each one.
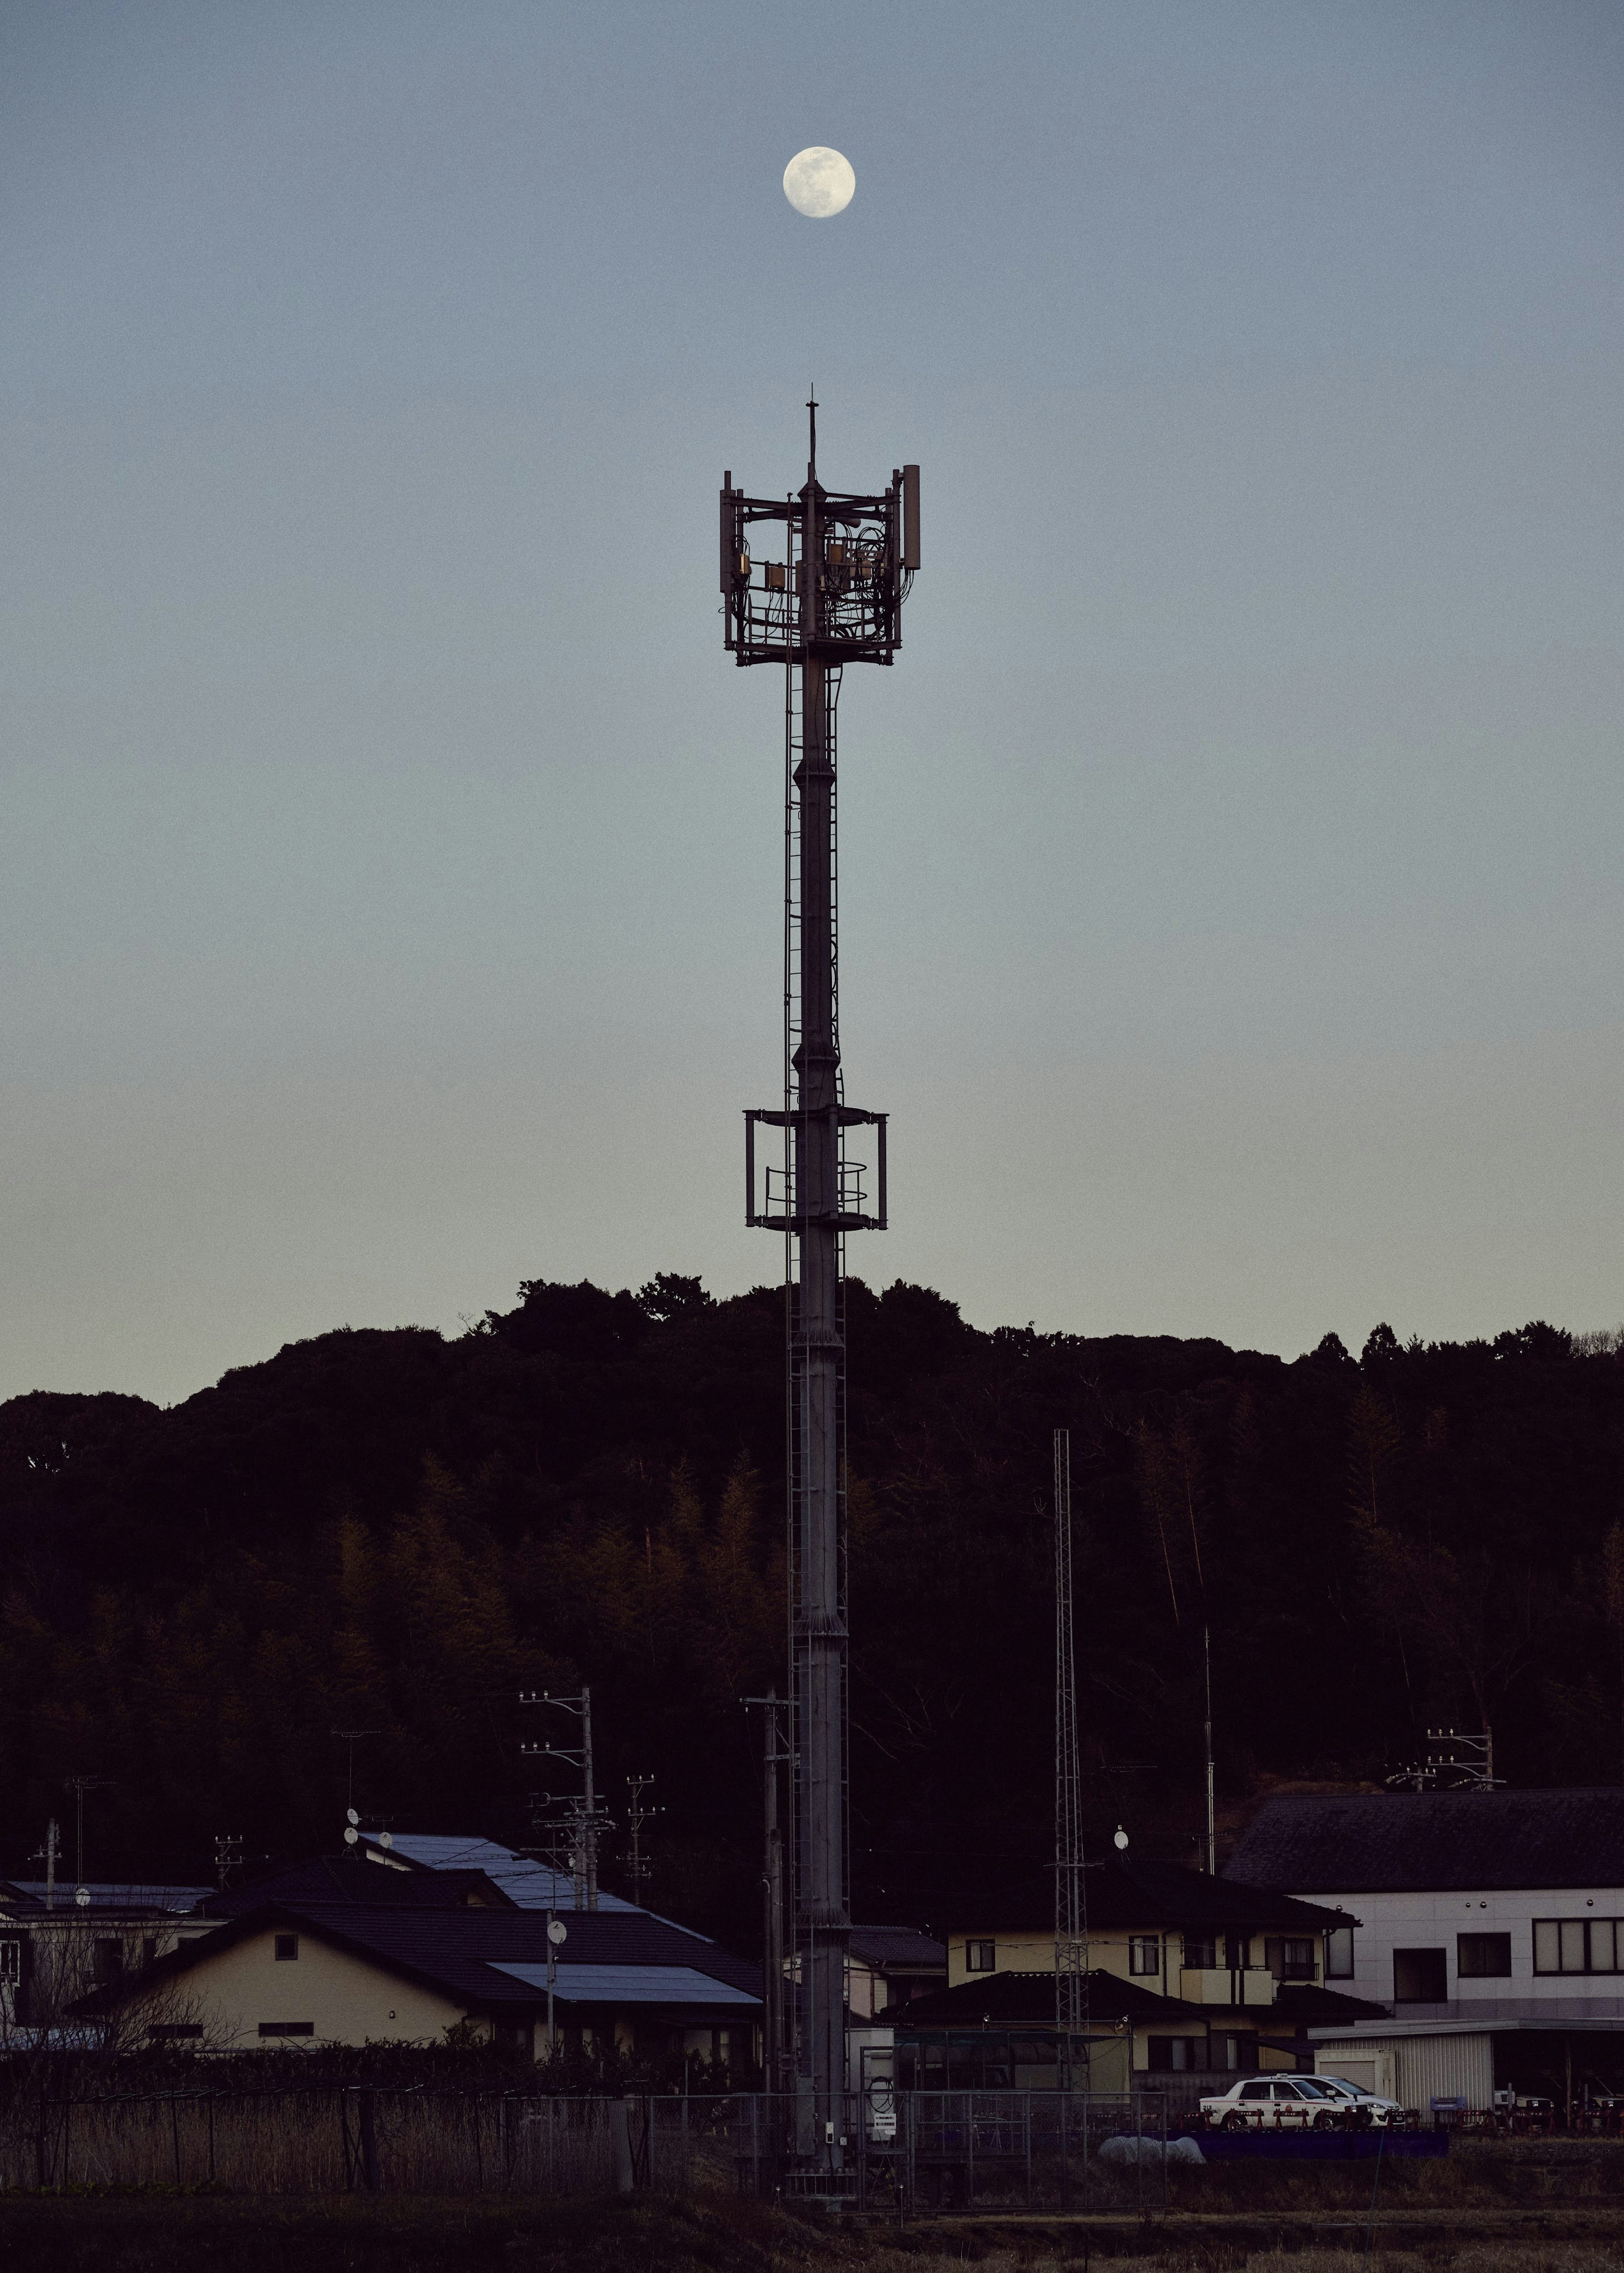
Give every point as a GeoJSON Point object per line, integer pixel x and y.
{"type": "Point", "coordinates": [1070, 1915]}
{"type": "Point", "coordinates": [1212, 1841]}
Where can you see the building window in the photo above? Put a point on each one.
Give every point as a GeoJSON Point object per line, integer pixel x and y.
{"type": "Point", "coordinates": [107, 1963]}
{"type": "Point", "coordinates": [1201, 1949]}
{"type": "Point", "coordinates": [174, 2032]}
{"type": "Point", "coordinates": [11, 1964]}
{"type": "Point", "coordinates": [981, 1957]}
{"type": "Point", "coordinates": [287, 2028]}
{"type": "Point", "coordinates": [1173, 2054]}
{"type": "Point", "coordinates": [1237, 2054]}
{"type": "Point", "coordinates": [1578, 1945]}
{"type": "Point", "coordinates": [1483, 1957]}
{"type": "Point", "coordinates": [1420, 1977]}
{"type": "Point", "coordinates": [1145, 1953]}
{"type": "Point", "coordinates": [287, 1949]}
{"type": "Point", "coordinates": [1291, 1960]}
{"type": "Point", "coordinates": [1339, 1954]}
{"type": "Point", "coordinates": [149, 1949]}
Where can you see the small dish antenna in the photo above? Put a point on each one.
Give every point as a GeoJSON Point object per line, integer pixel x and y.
{"type": "Point", "coordinates": [558, 1933]}
{"type": "Point", "coordinates": [81, 1895]}
{"type": "Point", "coordinates": [1119, 1840]}
{"type": "Point", "coordinates": [351, 1817]}
{"type": "Point", "coordinates": [350, 1834]}
{"type": "Point", "coordinates": [386, 1839]}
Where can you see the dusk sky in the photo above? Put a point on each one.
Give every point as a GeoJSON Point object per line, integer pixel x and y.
{"type": "Point", "coordinates": [1230, 914]}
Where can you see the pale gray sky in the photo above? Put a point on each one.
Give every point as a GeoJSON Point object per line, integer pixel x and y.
{"type": "Point", "coordinates": [1230, 908]}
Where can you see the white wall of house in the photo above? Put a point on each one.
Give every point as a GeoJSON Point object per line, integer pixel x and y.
{"type": "Point", "coordinates": [1422, 1920]}
{"type": "Point", "coordinates": [232, 1992]}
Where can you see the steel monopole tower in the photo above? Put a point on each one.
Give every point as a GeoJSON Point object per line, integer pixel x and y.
{"type": "Point", "coordinates": [833, 595]}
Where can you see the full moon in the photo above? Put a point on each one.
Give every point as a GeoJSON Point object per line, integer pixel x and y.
{"type": "Point", "coordinates": [818, 182]}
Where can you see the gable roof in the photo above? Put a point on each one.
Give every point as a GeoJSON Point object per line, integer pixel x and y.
{"type": "Point", "coordinates": [1449, 1842]}
{"type": "Point", "coordinates": [898, 1948]}
{"type": "Point", "coordinates": [469, 1956]}
{"type": "Point", "coordinates": [1028, 2000]}
{"type": "Point", "coordinates": [1139, 1895]}
{"type": "Point", "coordinates": [340, 1879]}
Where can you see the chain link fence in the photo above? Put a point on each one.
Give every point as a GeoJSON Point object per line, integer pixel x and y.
{"type": "Point", "coordinates": [940, 2152]}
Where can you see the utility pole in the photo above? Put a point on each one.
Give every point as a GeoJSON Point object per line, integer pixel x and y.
{"type": "Point", "coordinates": [48, 1853]}
{"type": "Point", "coordinates": [1071, 1900]}
{"type": "Point", "coordinates": [636, 1816]}
{"type": "Point", "coordinates": [775, 1755]}
{"type": "Point", "coordinates": [1212, 1836]}
{"type": "Point", "coordinates": [834, 597]}
{"type": "Point", "coordinates": [586, 1822]}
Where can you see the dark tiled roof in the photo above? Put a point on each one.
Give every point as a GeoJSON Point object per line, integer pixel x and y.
{"type": "Point", "coordinates": [1307, 2004]}
{"type": "Point", "coordinates": [458, 1951]}
{"type": "Point", "coordinates": [885, 1947]}
{"type": "Point", "coordinates": [111, 1895]}
{"type": "Point", "coordinates": [358, 1885]}
{"type": "Point", "coordinates": [1001, 2000]}
{"type": "Point", "coordinates": [1123, 1894]}
{"type": "Point", "coordinates": [1448, 1841]}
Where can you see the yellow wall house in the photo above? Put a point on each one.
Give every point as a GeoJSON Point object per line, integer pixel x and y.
{"type": "Point", "coordinates": [374, 1970]}
{"type": "Point", "coordinates": [1188, 1976]}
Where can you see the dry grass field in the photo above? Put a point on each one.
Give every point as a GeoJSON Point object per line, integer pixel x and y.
{"type": "Point", "coordinates": [152, 2232]}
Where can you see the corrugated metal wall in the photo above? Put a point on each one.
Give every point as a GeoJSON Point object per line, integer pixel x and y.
{"type": "Point", "coordinates": [1422, 2068]}
{"type": "Point", "coordinates": [1445, 2067]}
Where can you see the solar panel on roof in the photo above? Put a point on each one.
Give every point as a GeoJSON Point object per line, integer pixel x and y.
{"type": "Point", "coordinates": [532, 1884]}
{"type": "Point", "coordinates": [629, 1985]}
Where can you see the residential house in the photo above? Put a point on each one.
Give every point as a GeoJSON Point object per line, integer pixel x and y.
{"type": "Point", "coordinates": [339, 1952]}
{"type": "Point", "coordinates": [1190, 1979]}
{"type": "Point", "coordinates": [1490, 1922]}
{"type": "Point", "coordinates": [57, 1942]}
{"type": "Point", "coordinates": [888, 1967]}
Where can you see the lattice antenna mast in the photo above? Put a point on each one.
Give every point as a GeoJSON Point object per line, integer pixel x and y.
{"type": "Point", "coordinates": [833, 598]}
{"type": "Point", "coordinates": [1070, 1901]}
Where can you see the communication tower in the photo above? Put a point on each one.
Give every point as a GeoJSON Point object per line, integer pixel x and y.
{"type": "Point", "coordinates": [833, 596]}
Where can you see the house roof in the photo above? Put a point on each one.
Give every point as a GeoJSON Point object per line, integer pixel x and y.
{"type": "Point", "coordinates": [1124, 1894]}
{"type": "Point", "coordinates": [341, 1878]}
{"type": "Point", "coordinates": [1308, 2005]}
{"type": "Point", "coordinates": [530, 1884]}
{"type": "Point", "coordinates": [1448, 1841]}
{"type": "Point", "coordinates": [105, 1895]}
{"type": "Point", "coordinates": [898, 1948]}
{"type": "Point", "coordinates": [1028, 2000]}
{"type": "Point", "coordinates": [468, 1955]}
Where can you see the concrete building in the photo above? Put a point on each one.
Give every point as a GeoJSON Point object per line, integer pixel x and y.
{"type": "Point", "coordinates": [1491, 1923]}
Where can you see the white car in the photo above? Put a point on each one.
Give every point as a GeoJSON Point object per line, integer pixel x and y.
{"type": "Point", "coordinates": [1363, 2106]}
{"type": "Point", "coordinates": [1274, 2103]}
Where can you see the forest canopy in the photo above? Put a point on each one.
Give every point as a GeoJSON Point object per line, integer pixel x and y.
{"type": "Point", "coordinates": [398, 1531]}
